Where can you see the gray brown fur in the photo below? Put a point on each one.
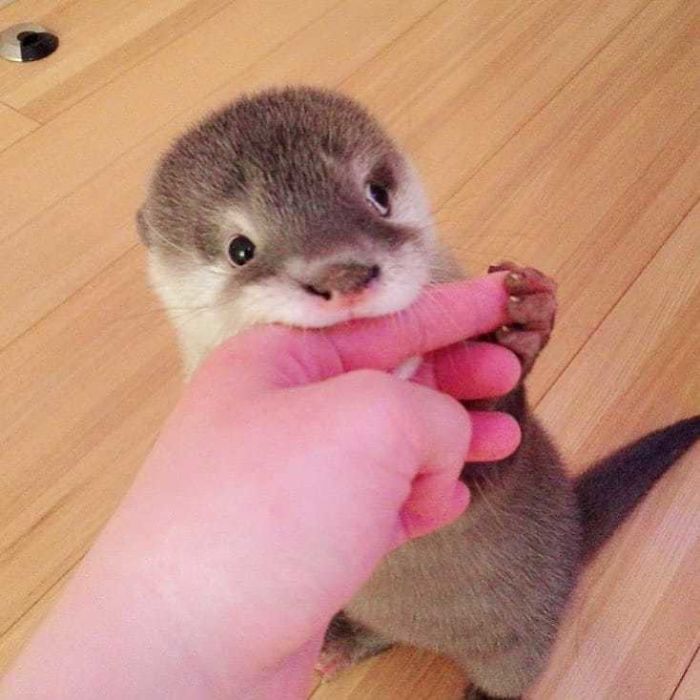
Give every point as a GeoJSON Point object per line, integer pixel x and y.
{"type": "Point", "coordinates": [489, 590]}
{"type": "Point", "coordinates": [250, 153]}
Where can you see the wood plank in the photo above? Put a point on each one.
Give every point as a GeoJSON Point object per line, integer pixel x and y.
{"type": "Point", "coordinates": [636, 622]}
{"type": "Point", "coordinates": [13, 126]}
{"type": "Point", "coordinates": [14, 637]}
{"type": "Point", "coordinates": [16, 11]}
{"type": "Point", "coordinates": [592, 187]}
{"type": "Point", "coordinates": [399, 673]}
{"type": "Point", "coordinates": [106, 124]}
{"type": "Point", "coordinates": [689, 688]}
{"type": "Point", "coordinates": [68, 262]}
{"type": "Point", "coordinates": [651, 338]}
{"type": "Point", "coordinates": [99, 41]}
{"type": "Point", "coordinates": [467, 79]}
{"type": "Point", "coordinates": [93, 424]}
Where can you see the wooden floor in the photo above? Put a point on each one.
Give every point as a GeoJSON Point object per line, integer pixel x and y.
{"type": "Point", "coordinates": [562, 133]}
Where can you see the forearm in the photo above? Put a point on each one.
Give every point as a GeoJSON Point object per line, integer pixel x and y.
{"type": "Point", "coordinates": [118, 632]}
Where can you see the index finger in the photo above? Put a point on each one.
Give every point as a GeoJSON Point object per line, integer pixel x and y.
{"type": "Point", "coordinates": [443, 315]}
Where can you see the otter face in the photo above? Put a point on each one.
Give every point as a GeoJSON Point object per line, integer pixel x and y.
{"type": "Point", "coordinates": [290, 207]}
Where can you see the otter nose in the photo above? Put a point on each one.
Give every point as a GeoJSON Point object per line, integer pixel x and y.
{"type": "Point", "coordinates": [343, 279]}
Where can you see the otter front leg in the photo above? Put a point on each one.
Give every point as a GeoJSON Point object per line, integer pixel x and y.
{"type": "Point", "coordinates": [532, 308]}
{"type": "Point", "coordinates": [347, 643]}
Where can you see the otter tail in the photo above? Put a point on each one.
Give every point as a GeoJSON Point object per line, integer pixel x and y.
{"type": "Point", "coordinates": [608, 492]}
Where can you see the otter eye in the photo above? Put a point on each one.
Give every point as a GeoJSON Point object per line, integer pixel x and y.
{"type": "Point", "coordinates": [241, 250]}
{"type": "Point", "coordinates": [378, 197]}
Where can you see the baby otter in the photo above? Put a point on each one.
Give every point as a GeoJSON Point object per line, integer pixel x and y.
{"type": "Point", "coordinates": [292, 206]}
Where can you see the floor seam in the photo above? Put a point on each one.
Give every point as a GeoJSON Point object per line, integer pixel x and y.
{"type": "Point", "coordinates": [618, 299]}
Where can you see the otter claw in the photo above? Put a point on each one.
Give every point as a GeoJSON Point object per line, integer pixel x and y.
{"type": "Point", "coordinates": [514, 277]}
{"type": "Point", "coordinates": [531, 308]}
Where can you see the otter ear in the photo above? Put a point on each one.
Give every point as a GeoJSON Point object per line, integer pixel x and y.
{"type": "Point", "coordinates": [143, 228]}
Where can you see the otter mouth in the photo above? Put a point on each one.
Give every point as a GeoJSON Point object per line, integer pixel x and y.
{"type": "Point", "coordinates": [371, 304]}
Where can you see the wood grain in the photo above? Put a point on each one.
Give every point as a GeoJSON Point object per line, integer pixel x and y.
{"type": "Point", "coordinates": [68, 462]}
{"type": "Point", "coordinates": [591, 187]}
{"type": "Point", "coordinates": [559, 133]}
{"type": "Point", "coordinates": [636, 624]}
{"type": "Point", "coordinates": [484, 71]}
{"type": "Point", "coordinates": [99, 41]}
{"type": "Point", "coordinates": [399, 673]}
{"type": "Point", "coordinates": [13, 126]}
{"type": "Point", "coordinates": [643, 383]}
{"type": "Point", "coordinates": [106, 124]}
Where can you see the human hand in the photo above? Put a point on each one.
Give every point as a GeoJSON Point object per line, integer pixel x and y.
{"type": "Point", "coordinates": [293, 463]}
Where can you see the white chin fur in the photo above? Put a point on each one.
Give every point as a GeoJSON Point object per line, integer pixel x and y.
{"type": "Point", "coordinates": [197, 304]}
{"type": "Point", "coordinates": [282, 300]}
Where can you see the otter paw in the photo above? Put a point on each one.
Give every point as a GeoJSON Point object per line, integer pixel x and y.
{"type": "Point", "coordinates": [532, 306]}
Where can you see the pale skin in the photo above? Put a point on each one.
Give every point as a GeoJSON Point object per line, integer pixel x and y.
{"type": "Point", "coordinates": [293, 463]}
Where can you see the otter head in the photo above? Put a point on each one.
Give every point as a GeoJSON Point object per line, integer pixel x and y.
{"type": "Point", "coordinates": [291, 206]}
